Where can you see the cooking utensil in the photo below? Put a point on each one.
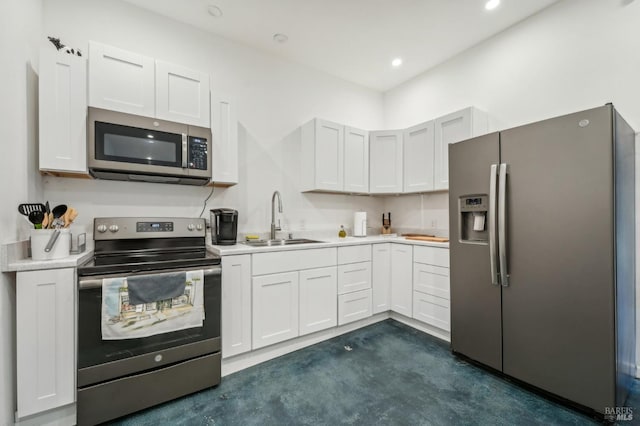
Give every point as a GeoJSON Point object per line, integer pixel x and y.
{"type": "Point", "coordinates": [27, 208]}
{"type": "Point", "coordinates": [36, 217]}
{"type": "Point", "coordinates": [70, 216]}
{"type": "Point", "coordinates": [57, 212]}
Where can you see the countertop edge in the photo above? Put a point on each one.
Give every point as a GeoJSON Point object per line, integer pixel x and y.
{"type": "Point", "coordinates": [240, 248]}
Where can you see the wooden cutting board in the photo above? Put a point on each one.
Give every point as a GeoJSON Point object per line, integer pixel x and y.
{"type": "Point", "coordinates": [417, 235]}
{"type": "Point", "coordinates": [432, 239]}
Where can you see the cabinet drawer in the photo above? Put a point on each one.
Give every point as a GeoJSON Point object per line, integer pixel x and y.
{"type": "Point", "coordinates": [354, 306]}
{"type": "Point", "coordinates": [354, 277]}
{"type": "Point", "coordinates": [431, 310]}
{"type": "Point", "coordinates": [431, 256]}
{"type": "Point", "coordinates": [354, 254]}
{"type": "Point", "coordinates": [429, 279]}
{"type": "Point", "coordinates": [294, 260]}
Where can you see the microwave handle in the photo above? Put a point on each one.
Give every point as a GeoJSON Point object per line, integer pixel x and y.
{"type": "Point", "coordinates": [184, 151]}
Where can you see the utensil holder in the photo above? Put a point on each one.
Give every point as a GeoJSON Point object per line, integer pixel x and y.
{"type": "Point", "coordinates": [78, 243]}
{"type": "Point", "coordinates": [39, 239]}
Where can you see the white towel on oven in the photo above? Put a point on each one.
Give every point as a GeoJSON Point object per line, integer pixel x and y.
{"type": "Point", "coordinates": [120, 320]}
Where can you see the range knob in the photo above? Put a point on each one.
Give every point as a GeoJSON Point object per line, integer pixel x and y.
{"type": "Point", "coordinates": [113, 228]}
{"type": "Point", "coordinates": [102, 228]}
{"type": "Point", "coordinates": [191, 227]}
{"type": "Point", "coordinates": [199, 227]}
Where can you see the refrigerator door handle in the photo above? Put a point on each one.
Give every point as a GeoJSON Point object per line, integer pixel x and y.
{"type": "Point", "coordinates": [493, 258]}
{"type": "Point", "coordinates": [502, 224]}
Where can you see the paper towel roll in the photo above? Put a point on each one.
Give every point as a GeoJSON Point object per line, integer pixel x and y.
{"type": "Point", "coordinates": [360, 224]}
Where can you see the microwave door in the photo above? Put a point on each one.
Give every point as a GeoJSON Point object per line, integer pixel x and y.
{"type": "Point", "coordinates": [139, 147]}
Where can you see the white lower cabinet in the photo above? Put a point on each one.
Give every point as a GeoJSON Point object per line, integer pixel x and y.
{"type": "Point", "coordinates": [45, 342]}
{"type": "Point", "coordinates": [275, 308]}
{"type": "Point", "coordinates": [401, 278]}
{"type": "Point", "coordinates": [236, 305]}
{"type": "Point", "coordinates": [432, 310]}
{"type": "Point", "coordinates": [431, 287]}
{"type": "Point", "coordinates": [354, 306]}
{"type": "Point", "coordinates": [354, 277]}
{"type": "Point", "coordinates": [354, 283]}
{"type": "Point", "coordinates": [381, 277]}
{"type": "Point", "coordinates": [431, 279]}
{"type": "Point", "coordinates": [318, 291]}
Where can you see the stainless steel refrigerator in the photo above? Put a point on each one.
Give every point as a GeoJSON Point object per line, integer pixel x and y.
{"type": "Point", "coordinates": [542, 224]}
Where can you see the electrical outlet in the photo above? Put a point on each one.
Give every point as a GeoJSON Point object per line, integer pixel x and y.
{"type": "Point", "coordinates": [434, 224]}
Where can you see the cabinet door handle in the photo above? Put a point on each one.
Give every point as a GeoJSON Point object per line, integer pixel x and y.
{"type": "Point", "coordinates": [319, 277]}
{"type": "Point", "coordinates": [354, 270]}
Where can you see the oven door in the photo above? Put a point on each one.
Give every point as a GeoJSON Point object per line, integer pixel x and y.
{"type": "Point", "coordinates": [102, 360]}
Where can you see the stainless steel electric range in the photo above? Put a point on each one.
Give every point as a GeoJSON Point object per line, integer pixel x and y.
{"type": "Point", "coordinates": [123, 366]}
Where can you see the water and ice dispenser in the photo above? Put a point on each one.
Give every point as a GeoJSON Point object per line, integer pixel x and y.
{"type": "Point", "coordinates": [473, 226]}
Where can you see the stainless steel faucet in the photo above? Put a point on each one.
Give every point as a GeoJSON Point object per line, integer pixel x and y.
{"type": "Point", "coordinates": [275, 228]}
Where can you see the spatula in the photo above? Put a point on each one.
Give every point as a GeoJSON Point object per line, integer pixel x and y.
{"type": "Point", "coordinates": [27, 208]}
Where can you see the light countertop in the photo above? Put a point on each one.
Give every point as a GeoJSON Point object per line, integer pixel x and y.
{"type": "Point", "coordinates": [13, 258]}
{"type": "Point", "coordinates": [326, 242]}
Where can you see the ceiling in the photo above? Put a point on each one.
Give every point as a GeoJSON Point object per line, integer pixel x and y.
{"type": "Point", "coordinates": [354, 39]}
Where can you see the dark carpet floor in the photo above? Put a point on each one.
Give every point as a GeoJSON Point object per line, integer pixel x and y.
{"type": "Point", "coordinates": [384, 374]}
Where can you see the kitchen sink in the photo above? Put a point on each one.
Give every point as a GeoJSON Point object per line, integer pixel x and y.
{"type": "Point", "coordinates": [268, 243]}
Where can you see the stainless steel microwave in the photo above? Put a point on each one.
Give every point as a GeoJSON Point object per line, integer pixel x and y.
{"type": "Point", "coordinates": [136, 148]}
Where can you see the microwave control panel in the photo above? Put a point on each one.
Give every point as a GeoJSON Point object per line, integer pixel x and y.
{"type": "Point", "coordinates": [197, 153]}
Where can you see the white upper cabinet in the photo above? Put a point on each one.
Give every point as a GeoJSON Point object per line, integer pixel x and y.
{"type": "Point", "coordinates": [121, 81]}
{"type": "Point", "coordinates": [224, 128]}
{"type": "Point", "coordinates": [385, 167]}
{"type": "Point", "coordinates": [63, 112]}
{"type": "Point", "coordinates": [356, 160]}
{"type": "Point", "coordinates": [452, 128]}
{"type": "Point", "coordinates": [182, 94]}
{"type": "Point", "coordinates": [418, 147]}
{"type": "Point", "coordinates": [322, 155]}
{"type": "Point", "coordinates": [124, 81]}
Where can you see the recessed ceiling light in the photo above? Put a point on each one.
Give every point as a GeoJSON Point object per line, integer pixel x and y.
{"type": "Point", "coordinates": [492, 4]}
{"type": "Point", "coordinates": [396, 62]}
{"type": "Point", "coordinates": [214, 11]}
{"type": "Point", "coordinates": [280, 38]}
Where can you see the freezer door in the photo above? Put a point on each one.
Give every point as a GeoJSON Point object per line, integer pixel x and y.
{"type": "Point", "coordinates": [475, 300]}
{"type": "Point", "coordinates": [558, 307]}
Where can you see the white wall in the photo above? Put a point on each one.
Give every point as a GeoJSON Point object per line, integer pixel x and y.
{"type": "Point", "coordinates": [274, 98]}
{"type": "Point", "coordinates": [20, 27]}
{"type": "Point", "coordinates": [574, 55]}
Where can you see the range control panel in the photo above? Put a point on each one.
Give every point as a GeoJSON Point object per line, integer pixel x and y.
{"type": "Point", "coordinates": [154, 227]}
{"type": "Point", "coordinates": [119, 228]}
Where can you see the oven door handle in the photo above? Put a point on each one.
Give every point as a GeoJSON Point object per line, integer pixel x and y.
{"type": "Point", "coordinates": [90, 282]}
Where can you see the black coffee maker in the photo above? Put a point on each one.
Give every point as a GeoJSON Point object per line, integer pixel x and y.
{"type": "Point", "coordinates": [224, 226]}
